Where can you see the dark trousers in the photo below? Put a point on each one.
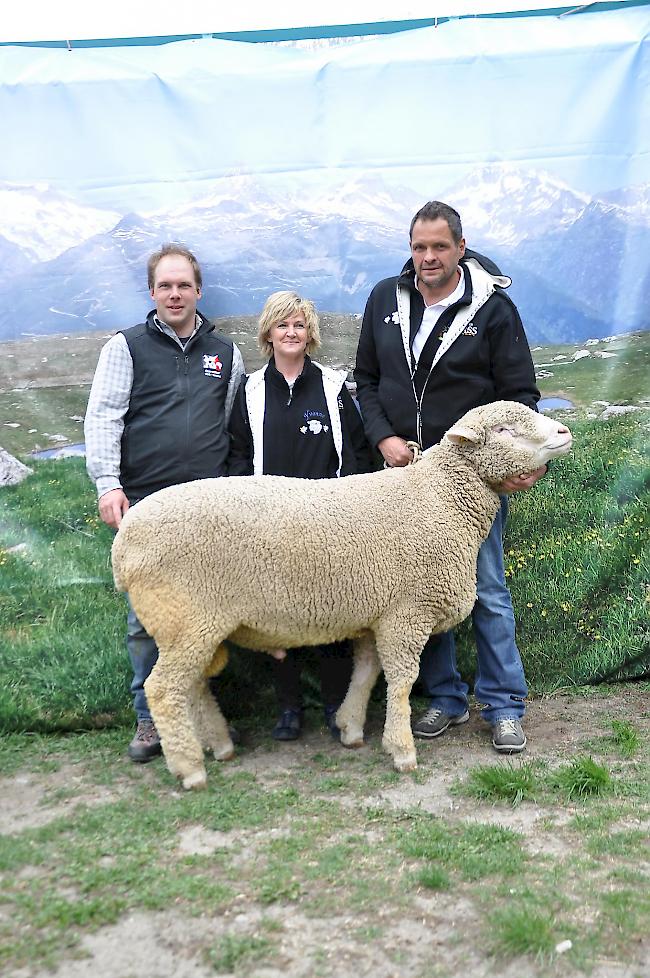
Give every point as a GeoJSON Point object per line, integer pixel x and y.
{"type": "Point", "coordinates": [334, 664]}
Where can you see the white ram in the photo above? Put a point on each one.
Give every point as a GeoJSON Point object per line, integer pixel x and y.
{"type": "Point", "coordinates": [270, 562]}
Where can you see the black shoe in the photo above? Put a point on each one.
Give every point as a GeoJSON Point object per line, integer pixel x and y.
{"type": "Point", "coordinates": [146, 743]}
{"type": "Point", "coordinates": [508, 736]}
{"type": "Point", "coordinates": [330, 721]}
{"type": "Point", "coordinates": [288, 726]}
{"type": "Point", "coordinates": [434, 722]}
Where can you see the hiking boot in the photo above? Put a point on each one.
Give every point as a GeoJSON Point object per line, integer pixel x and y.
{"type": "Point", "coordinates": [508, 736]}
{"type": "Point", "coordinates": [330, 721]}
{"type": "Point", "coordinates": [434, 722]}
{"type": "Point", "coordinates": [146, 743]}
{"type": "Point", "coordinates": [288, 726]}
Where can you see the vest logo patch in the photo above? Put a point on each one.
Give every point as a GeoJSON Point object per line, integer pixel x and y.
{"type": "Point", "coordinates": [314, 425]}
{"type": "Point", "coordinates": [212, 366]}
{"type": "Point", "coordinates": [470, 330]}
{"type": "Point", "coordinates": [392, 319]}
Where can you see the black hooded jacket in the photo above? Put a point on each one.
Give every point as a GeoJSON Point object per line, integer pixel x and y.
{"type": "Point", "coordinates": [489, 361]}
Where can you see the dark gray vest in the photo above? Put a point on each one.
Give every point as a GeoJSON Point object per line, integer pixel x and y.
{"type": "Point", "coordinates": [174, 429]}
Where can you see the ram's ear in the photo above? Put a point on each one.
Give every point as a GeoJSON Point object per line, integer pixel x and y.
{"type": "Point", "coordinates": [460, 434]}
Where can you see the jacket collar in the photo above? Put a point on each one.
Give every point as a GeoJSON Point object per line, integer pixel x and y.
{"type": "Point", "coordinates": [203, 325]}
{"type": "Point", "coordinates": [278, 379]}
{"type": "Point", "coordinates": [407, 279]}
{"type": "Point", "coordinates": [407, 275]}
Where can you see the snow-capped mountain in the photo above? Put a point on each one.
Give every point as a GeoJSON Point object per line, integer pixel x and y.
{"type": "Point", "coordinates": [580, 267]}
{"type": "Point", "coordinates": [633, 201]}
{"type": "Point", "coordinates": [44, 223]}
{"type": "Point", "coordinates": [506, 205]}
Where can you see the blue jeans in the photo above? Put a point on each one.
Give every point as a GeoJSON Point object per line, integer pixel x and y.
{"type": "Point", "coordinates": [500, 685]}
{"type": "Point", "coordinates": [143, 653]}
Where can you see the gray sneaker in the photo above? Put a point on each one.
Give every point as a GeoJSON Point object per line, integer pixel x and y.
{"type": "Point", "coordinates": [146, 743]}
{"type": "Point", "coordinates": [508, 736]}
{"type": "Point", "coordinates": [434, 722]}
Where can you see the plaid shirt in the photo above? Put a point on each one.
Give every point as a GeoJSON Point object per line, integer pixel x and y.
{"type": "Point", "coordinates": [109, 401]}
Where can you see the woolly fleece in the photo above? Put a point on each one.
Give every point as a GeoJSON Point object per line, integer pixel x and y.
{"type": "Point", "coordinates": [270, 562]}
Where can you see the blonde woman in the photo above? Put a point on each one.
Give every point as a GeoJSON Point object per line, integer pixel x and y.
{"type": "Point", "coordinates": [295, 417]}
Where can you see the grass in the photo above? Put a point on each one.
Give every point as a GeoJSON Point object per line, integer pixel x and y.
{"type": "Point", "coordinates": [473, 851]}
{"type": "Point", "coordinates": [576, 560]}
{"type": "Point", "coordinates": [626, 737]}
{"type": "Point", "coordinates": [581, 778]}
{"type": "Point", "coordinates": [519, 932]}
{"type": "Point", "coordinates": [232, 950]}
{"type": "Point", "coordinates": [433, 878]}
{"type": "Point", "coordinates": [503, 782]}
{"type": "Point", "coordinates": [577, 551]}
{"type": "Point", "coordinates": [622, 379]}
{"type": "Point", "coordinates": [111, 847]}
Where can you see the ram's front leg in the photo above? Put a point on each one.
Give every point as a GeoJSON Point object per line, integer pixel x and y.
{"type": "Point", "coordinates": [401, 664]}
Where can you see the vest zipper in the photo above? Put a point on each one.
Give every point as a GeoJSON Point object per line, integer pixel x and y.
{"type": "Point", "coordinates": [188, 414]}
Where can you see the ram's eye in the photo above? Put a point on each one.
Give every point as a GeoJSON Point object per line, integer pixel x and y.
{"type": "Point", "coordinates": [507, 431]}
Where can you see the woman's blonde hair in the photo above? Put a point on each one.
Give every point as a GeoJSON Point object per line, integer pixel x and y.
{"type": "Point", "coordinates": [277, 307]}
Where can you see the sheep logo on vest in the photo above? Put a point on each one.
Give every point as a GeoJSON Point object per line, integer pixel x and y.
{"type": "Point", "coordinates": [212, 366]}
{"type": "Point", "coordinates": [314, 426]}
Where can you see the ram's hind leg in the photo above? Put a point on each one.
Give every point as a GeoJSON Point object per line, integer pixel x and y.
{"type": "Point", "coordinates": [185, 651]}
{"type": "Point", "coordinates": [351, 715]}
{"type": "Point", "coordinates": [211, 727]}
{"type": "Point", "coordinates": [400, 658]}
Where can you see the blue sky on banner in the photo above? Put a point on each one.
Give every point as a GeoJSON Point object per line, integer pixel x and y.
{"type": "Point", "coordinates": [285, 166]}
{"type": "Point", "coordinates": [149, 126]}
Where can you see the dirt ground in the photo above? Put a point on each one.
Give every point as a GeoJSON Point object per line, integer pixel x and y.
{"type": "Point", "coordinates": [435, 939]}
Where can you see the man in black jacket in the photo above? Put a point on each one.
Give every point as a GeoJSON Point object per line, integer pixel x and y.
{"type": "Point", "coordinates": [157, 416]}
{"type": "Point", "coordinates": [437, 340]}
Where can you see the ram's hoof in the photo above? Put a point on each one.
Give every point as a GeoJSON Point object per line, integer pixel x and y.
{"type": "Point", "coordinates": [226, 754]}
{"type": "Point", "coordinates": [354, 743]}
{"type": "Point", "coordinates": [406, 763]}
{"type": "Point", "coordinates": [196, 781]}
{"type": "Point", "coordinates": [352, 737]}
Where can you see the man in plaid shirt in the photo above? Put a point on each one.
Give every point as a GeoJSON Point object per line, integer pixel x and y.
{"type": "Point", "coordinates": [158, 416]}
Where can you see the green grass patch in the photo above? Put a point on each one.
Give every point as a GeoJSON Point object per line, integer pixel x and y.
{"type": "Point", "coordinates": [233, 951]}
{"type": "Point", "coordinates": [582, 778]}
{"type": "Point", "coordinates": [626, 737]}
{"type": "Point", "coordinates": [472, 852]}
{"type": "Point", "coordinates": [433, 878]}
{"type": "Point", "coordinates": [503, 782]}
{"type": "Point", "coordinates": [518, 931]}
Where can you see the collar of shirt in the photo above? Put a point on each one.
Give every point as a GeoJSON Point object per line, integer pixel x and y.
{"type": "Point", "coordinates": [164, 328]}
{"type": "Point", "coordinates": [432, 314]}
{"type": "Point", "coordinates": [455, 296]}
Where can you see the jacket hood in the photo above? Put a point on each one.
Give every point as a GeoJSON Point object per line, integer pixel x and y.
{"type": "Point", "coordinates": [407, 275]}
